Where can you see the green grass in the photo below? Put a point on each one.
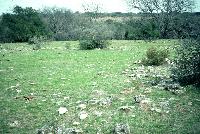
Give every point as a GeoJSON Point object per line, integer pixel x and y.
{"type": "Point", "coordinates": [58, 77]}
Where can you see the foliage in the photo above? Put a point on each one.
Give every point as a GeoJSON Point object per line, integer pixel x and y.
{"type": "Point", "coordinates": [92, 44]}
{"type": "Point", "coordinates": [186, 25]}
{"type": "Point", "coordinates": [155, 56]}
{"type": "Point", "coordinates": [142, 29]}
{"type": "Point", "coordinates": [95, 36]}
{"type": "Point", "coordinates": [58, 21]}
{"type": "Point", "coordinates": [67, 45]}
{"type": "Point", "coordinates": [62, 24]}
{"type": "Point", "coordinates": [22, 24]}
{"type": "Point", "coordinates": [186, 69]}
{"type": "Point", "coordinates": [164, 12]}
{"type": "Point", "coordinates": [37, 42]}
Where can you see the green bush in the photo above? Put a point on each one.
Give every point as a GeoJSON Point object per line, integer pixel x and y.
{"type": "Point", "coordinates": [36, 42]}
{"type": "Point", "coordinates": [95, 37]}
{"type": "Point", "coordinates": [92, 44]}
{"type": "Point", "coordinates": [186, 67]}
{"type": "Point", "coordinates": [155, 57]}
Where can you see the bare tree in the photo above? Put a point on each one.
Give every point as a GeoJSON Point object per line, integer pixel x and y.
{"type": "Point", "coordinates": [93, 8]}
{"type": "Point", "coordinates": [162, 11]}
{"type": "Point", "coordinates": [59, 21]}
{"type": "Point", "coordinates": [162, 6]}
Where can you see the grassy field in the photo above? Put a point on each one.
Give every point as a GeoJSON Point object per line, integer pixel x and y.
{"type": "Point", "coordinates": [97, 84]}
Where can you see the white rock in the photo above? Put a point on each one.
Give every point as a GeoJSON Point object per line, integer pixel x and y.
{"type": "Point", "coordinates": [158, 110]}
{"type": "Point", "coordinates": [62, 110]}
{"type": "Point", "coordinates": [82, 106]}
{"type": "Point", "coordinates": [133, 116]}
{"type": "Point", "coordinates": [83, 115]}
{"type": "Point", "coordinates": [98, 113]}
{"type": "Point", "coordinates": [76, 123]}
{"type": "Point", "coordinates": [14, 124]}
{"type": "Point", "coordinates": [19, 91]}
{"type": "Point", "coordinates": [66, 98]}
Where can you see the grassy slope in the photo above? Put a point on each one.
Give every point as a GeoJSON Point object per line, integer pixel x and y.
{"type": "Point", "coordinates": [57, 77]}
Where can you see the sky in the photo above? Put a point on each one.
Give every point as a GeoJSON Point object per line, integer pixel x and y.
{"type": "Point", "coordinates": [74, 5]}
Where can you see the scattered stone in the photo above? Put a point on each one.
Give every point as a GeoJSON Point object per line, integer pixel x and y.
{"type": "Point", "coordinates": [147, 91]}
{"type": "Point", "coordinates": [32, 83]}
{"type": "Point", "coordinates": [66, 98]}
{"type": "Point", "coordinates": [158, 110]}
{"type": "Point", "coordinates": [83, 115]}
{"type": "Point", "coordinates": [127, 91]}
{"type": "Point", "coordinates": [133, 116]}
{"type": "Point", "coordinates": [190, 103]}
{"type": "Point", "coordinates": [32, 94]}
{"type": "Point", "coordinates": [98, 93]}
{"type": "Point", "coordinates": [132, 75]}
{"type": "Point", "coordinates": [127, 81]}
{"type": "Point", "coordinates": [76, 123]}
{"type": "Point", "coordinates": [105, 101]}
{"type": "Point", "coordinates": [122, 129]}
{"type": "Point", "coordinates": [73, 131]}
{"type": "Point", "coordinates": [164, 105]}
{"type": "Point", "coordinates": [145, 104]}
{"type": "Point", "coordinates": [179, 91]}
{"type": "Point", "coordinates": [126, 108]}
{"type": "Point", "coordinates": [14, 124]}
{"type": "Point", "coordinates": [62, 110]}
{"type": "Point", "coordinates": [18, 90]}
{"type": "Point", "coordinates": [28, 98]}
{"type": "Point", "coordinates": [172, 86]}
{"type": "Point", "coordinates": [197, 100]}
{"type": "Point", "coordinates": [58, 130]}
{"type": "Point", "coordinates": [139, 98]}
{"type": "Point", "coordinates": [98, 113]}
{"type": "Point", "coordinates": [137, 62]}
{"type": "Point", "coordinates": [82, 106]}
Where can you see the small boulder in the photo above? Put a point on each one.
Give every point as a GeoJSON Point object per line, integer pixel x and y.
{"type": "Point", "coordinates": [122, 129]}
{"type": "Point", "coordinates": [139, 98]}
{"type": "Point", "coordinates": [83, 115]}
{"type": "Point", "coordinates": [62, 110]}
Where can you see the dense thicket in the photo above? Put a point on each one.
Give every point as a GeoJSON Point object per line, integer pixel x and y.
{"type": "Point", "coordinates": [20, 25]}
{"type": "Point", "coordinates": [186, 69]}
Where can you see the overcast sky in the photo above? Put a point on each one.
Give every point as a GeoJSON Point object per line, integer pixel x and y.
{"type": "Point", "coordinates": [74, 5]}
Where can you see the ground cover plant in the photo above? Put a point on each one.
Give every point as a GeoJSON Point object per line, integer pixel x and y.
{"type": "Point", "coordinates": [59, 89]}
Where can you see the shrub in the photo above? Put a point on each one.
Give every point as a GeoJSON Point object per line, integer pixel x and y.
{"type": "Point", "coordinates": [95, 36]}
{"type": "Point", "coordinates": [67, 45]}
{"type": "Point", "coordinates": [92, 44]}
{"type": "Point", "coordinates": [155, 57]}
{"type": "Point", "coordinates": [186, 68]}
{"type": "Point", "coordinates": [36, 42]}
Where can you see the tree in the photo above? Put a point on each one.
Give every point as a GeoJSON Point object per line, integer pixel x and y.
{"type": "Point", "coordinates": [163, 11]}
{"type": "Point", "coordinates": [59, 21]}
{"type": "Point", "coordinates": [92, 10]}
{"type": "Point", "coordinates": [143, 28]}
{"type": "Point", "coordinates": [20, 25]}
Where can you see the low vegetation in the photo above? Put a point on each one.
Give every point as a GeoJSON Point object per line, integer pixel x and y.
{"type": "Point", "coordinates": [155, 57]}
{"type": "Point", "coordinates": [93, 44]}
{"type": "Point", "coordinates": [149, 84]}
{"type": "Point", "coordinates": [58, 89]}
{"type": "Point", "coordinates": [186, 69]}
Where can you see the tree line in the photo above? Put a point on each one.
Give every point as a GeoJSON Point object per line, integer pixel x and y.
{"type": "Point", "coordinates": [62, 24]}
